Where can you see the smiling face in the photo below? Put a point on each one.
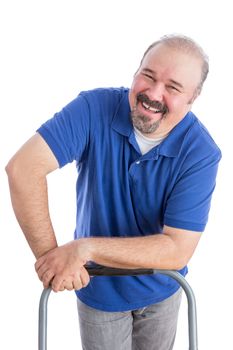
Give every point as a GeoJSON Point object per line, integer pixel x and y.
{"type": "Point", "coordinates": [163, 89]}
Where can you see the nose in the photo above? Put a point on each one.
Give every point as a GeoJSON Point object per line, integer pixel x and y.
{"type": "Point", "coordinates": [156, 92]}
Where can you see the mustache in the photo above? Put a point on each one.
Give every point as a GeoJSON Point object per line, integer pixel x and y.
{"type": "Point", "coordinates": [154, 104]}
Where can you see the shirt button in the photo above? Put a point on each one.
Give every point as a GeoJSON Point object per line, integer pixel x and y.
{"type": "Point", "coordinates": [138, 162]}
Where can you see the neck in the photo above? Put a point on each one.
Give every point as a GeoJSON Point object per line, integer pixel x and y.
{"type": "Point", "coordinates": [153, 136]}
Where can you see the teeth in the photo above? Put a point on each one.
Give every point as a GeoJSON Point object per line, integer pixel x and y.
{"type": "Point", "coordinates": [146, 106]}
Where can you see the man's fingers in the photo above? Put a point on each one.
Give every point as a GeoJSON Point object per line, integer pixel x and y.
{"type": "Point", "coordinates": [69, 285]}
{"type": "Point", "coordinates": [85, 278]}
{"type": "Point", "coordinates": [41, 271]}
{"type": "Point", "coordinates": [47, 278]}
{"type": "Point", "coordinates": [58, 283]}
{"type": "Point", "coordinates": [77, 283]}
{"type": "Point", "coordinates": [81, 279]}
{"type": "Point", "coordinates": [61, 269]}
{"type": "Point", "coordinates": [39, 263]}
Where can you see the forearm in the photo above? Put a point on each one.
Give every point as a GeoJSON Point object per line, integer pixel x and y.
{"type": "Point", "coordinates": [64, 266]}
{"type": "Point", "coordinates": [30, 203]}
{"type": "Point", "coordinates": [155, 251]}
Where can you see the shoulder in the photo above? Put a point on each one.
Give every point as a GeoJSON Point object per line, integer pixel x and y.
{"type": "Point", "coordinates": [200, 140]}
{"type": "Point", "coordinates": [107, 96]}
{"type": "Point", "coordinates": [94, 105]}
{"type": "Point", "coordinates": [104, 103]}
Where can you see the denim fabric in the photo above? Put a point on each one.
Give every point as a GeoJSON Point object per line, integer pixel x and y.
{"type": "Point", "coordinates": [149, 328]}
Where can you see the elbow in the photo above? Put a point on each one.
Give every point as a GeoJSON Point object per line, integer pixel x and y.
{"type": "Point", "coordinates": [179, 265]}
{"type": "Point", "coordinates": [173, 265]}
{"type": "Point", "coordinates": [12, 170]}
{"type": "Point", "coordinates": [169, 263]}
{"type": "Point", "coordinates": [18, 174]}
{"type": "Point", "coordinates": [179, 262]}
{"type": "Point", "coordinates": [22, 175]}
{"type": "Point", "coordinates": [173, 261]}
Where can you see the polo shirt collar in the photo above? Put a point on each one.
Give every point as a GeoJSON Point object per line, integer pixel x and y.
{"type": "Point", "coordinates": [121, 121]}
{"type": "Point", "coordinates": [170, 146]}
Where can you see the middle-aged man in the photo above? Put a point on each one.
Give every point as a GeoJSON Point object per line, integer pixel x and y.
{"type": "Point", "coordinates": [146, 173]}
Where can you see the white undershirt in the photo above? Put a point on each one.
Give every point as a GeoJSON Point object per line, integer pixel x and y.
{"type": "Point", "coordinates": [145, 143]}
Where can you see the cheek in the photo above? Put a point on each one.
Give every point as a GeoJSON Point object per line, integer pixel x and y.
{"type": "Point", "coordinates": [139, 84]}
{"type": "Point", "coordinates": [137, 87]}
{"type": "Point", "coordinates": [178, 108]}
{"type": "Point", "coordinates": [175, 103]}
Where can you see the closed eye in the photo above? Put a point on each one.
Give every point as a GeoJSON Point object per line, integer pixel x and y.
{"type": "Point", "coordinates": [175, 85]}
{"type": "Point", "coordinates": [149, 76]}
{"type": "Point", "coordinates": [171, 87]}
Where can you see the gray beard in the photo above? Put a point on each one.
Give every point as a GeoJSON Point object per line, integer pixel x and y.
{"type": "Point", "coordinates": [143, 124]}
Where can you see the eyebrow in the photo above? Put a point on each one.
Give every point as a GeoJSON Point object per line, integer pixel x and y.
{"type": "Point", "coordinates": [148, 70]}
{"type": "Point", "coordinates": [176, 83]}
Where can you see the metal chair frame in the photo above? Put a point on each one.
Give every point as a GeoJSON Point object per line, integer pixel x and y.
{"type": "Point", "coordinates": [105, 271]}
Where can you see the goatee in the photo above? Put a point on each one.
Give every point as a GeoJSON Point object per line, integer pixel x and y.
{"type": "Point", "coordinates": [142, 122]}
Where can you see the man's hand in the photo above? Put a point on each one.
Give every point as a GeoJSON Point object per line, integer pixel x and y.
{"type": "Point", "coordinates": [63, 268]}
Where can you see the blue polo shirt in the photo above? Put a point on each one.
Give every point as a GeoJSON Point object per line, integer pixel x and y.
{"type": "Point", "coordinates": [122, 193]}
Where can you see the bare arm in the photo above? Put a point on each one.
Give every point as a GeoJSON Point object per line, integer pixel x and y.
{"type": "Point", "coordinates": [27, 172]}
{"type": "Point", "coordinates": [170, 250]}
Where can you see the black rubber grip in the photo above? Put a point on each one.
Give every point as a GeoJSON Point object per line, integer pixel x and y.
{"type": "Point", "coordinates": [98, 270]}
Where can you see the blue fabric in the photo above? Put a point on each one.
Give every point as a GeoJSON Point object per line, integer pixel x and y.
{"type": "Point", "coordinates": [121, 192]}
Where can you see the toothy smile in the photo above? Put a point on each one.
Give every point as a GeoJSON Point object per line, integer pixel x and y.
{"type": "Point", "coordinates": [152, 109]}
{"type": "Point", "coordinates": [151, 106]}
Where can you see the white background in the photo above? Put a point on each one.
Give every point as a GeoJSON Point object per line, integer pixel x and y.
{"type": "Point", "coordinates": [52, 49]}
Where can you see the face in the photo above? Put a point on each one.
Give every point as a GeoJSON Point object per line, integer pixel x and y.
{"type": "Point", "coordinates": [163, 89]}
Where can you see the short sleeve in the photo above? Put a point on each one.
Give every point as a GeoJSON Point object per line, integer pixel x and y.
{"type": "Point", "coordinates": [67, 133]}
{"type": "Point", "coordinates": [189, 202]}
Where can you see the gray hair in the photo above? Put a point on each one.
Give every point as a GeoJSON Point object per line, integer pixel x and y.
{"type": "Point", "coordinates": [187, 45]}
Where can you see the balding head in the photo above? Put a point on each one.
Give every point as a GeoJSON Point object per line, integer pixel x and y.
{"type": "Point", "coordinates": [187, 46]}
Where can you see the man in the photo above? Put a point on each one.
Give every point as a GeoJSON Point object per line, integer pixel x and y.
{"type": "Point", "coordinates": [147, 169]}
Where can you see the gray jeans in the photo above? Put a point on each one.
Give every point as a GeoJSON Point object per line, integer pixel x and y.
{"type": "Point", "coordinates": [149, 328]}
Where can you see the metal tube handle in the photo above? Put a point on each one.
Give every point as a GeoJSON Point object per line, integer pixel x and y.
{"type": "Point", "coordinates": [99, 270]}
{"type": "Point", "coordinates": [106, 271]}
